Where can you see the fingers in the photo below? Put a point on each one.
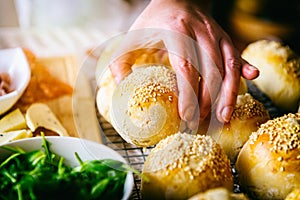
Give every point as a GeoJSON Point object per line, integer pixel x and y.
{"type": "Point", "coordinates": [129, 48]}
{"type": "Point", "coordinates": [196, 97]}
{"type": "Point", "coordinates": [208, 93]}
{"type": "Point", "coordinates": [211, 80]}
{"type": "Point", "coordinates": [121, 67]}
{"type": "Point", "coordinates": [188, 83]}
{"type": "Point", "coordinates": [249, 72]}
{"type": "Point", "coordinates": [230, 87]}
{"type": "Point", "coordinates": [184, 60]}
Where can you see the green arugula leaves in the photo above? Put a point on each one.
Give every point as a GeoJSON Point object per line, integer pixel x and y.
{"type": "Point", "coordinates": [41, 174]}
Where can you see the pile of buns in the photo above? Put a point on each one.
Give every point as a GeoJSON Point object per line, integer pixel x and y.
{"type": "Point", "coordinates": [264, 151]}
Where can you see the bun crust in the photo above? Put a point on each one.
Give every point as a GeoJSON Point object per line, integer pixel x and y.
{"type": "Point", "coordinates": [279, 70]}
{"type": "Point", "coordinates": [219, 194]}
{"type": "Point", "coordinates": [145, 106]}
{"type": "Point", "coordinates": [269, 163]}
{"type": "Point", "coordinates": [183, 165]}
{"type": "Point", "coordinates": [294, 195]}
{"type": "Point", "coordinates": [248, 114]}
{"type": "Point", "coordinates": [104, 94]}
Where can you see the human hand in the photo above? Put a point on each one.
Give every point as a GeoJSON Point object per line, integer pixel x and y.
{"type": "Point", "coordinates": [207, 69]}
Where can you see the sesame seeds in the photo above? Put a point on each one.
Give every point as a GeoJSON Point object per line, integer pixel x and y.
{"type": "Point", "coordinates": [294, 194]}
{"type": "Point", "coordinates": [247, 107]}
{"type": "Point", "coordinates": [193, 154]}
{"type": "Point", "coordinates": [292, 67]}
{"type": "Point", "coordinates": [283, 132]}
{"type": "Point", "coordinates": [281, 169]}
{"type": "Point", "coordinates": [152, 84]}
{"type": "Point", "coordinates": [150, 92]}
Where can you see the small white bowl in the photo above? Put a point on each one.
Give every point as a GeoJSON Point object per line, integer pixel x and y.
{"type": "Point", "coordinates": [66, 147]}
{"type": "Point", "coordinates": [13, 61]}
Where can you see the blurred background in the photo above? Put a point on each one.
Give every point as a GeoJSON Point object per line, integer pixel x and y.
{"type": "Point", "coordinates": [64, 27]}
{"type": "Point", "coordinates": [244, 20]}
{"type": "Point", "coordinates": [112, 14]}
{"type": "Point", "coordinates": [250, 20]}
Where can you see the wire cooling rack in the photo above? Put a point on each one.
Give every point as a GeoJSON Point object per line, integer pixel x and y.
{"type": "Point", "coordinates": [136, 156]}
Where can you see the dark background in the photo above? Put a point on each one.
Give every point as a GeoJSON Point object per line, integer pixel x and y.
{"type": "Point", "coordinates": [284, 16]}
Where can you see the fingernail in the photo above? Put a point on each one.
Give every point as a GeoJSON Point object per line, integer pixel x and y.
{"type": "Point", "coordinates": [252, 68]}
{"type": "Point", "coordinates": [188, 114]}
{"type": "Point", "coordinates": [193, 124]}
{"type": "Point", "coordinates": [226, 113]}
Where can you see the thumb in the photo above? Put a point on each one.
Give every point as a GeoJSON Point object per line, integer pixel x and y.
{"type": "Point", "coordinates": [121, 67]}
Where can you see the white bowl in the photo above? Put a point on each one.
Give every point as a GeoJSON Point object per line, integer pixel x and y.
{"type": "Point", "coordinates": [13, 61]}
{"type": "Point", "coordinates": [67, 146]}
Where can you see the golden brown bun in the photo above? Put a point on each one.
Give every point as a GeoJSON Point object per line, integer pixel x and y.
{"type": "Point", "coordinates": [218, 194]}
{"type": "Point", "coordinates": [183, 165]}
{"type": "Point", "coordinates": [243, 86]}
{"type": "Point", "coordinates": [294, 195]}
{"type": "Point", "coordinates": [248, 114]}
{"type": "Point", "coordinates": [145, 106]}
{"type": "Point", "coordinates": [269, 163]}
{"type": "Point", "coordinates": [279, 70]}
{"type": "Point", "coordinates": [106, 88]}
{"type": "Point", "coordinates": [105, 80]}
{"type": "Point", "coordinates": [107, 85]}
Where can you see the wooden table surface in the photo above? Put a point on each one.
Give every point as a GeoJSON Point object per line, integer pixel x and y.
{"type": "Point", "coordinates": [62, 52]}
{"type": "Point", "coordinates": [80, 120]}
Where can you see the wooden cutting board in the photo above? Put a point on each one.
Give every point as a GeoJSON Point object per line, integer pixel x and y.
{"type": "Point", "coordinates": [83, 123]}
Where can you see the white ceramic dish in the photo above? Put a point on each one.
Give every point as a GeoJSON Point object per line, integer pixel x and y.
{"type": "Point", "coordinates": [67, 146]}
{"type": "Point", "coordinates": [13, 61]}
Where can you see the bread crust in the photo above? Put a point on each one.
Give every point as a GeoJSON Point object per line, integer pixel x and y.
{"type": "Point", "coordinates": [145, 106]}
{"type": "Point", "coordinates": [183, 165]}
{"type": "Point", "coordinates": [279, 68]}
{"type": "Point", "coordinates": [247, 116]}
{"type": "Point", "coordinates": [269, 163]}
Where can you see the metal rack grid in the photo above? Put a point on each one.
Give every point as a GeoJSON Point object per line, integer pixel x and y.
{"type": "Point", "coordinates": [135, 156]}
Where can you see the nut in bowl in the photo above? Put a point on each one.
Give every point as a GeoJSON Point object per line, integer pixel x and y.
{"type": "Point", "coordinates": [14, 77]}
{"type": "Point", "coordinates": [82, 169]}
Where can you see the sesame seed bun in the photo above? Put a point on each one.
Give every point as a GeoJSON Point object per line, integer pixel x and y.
{"type": "Point", "coordinates": [106, 87]}
{"type": "Point", "coordinates": [183, 165]}
{"type": "Point", "coordinates": [279, 70]}
{"type": "Point", "coordinates": [144, 105]}
{"type": "Point", "coordinates": [294, 195]}
{"type": "Point", "coordinates": [105, 80]}
{"type": "Point", "coordinates": [219, 194]}
{"type": "Point", "coordinates": [248, 114]}
{"type": "Point", "coordinates": [269, 163]}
